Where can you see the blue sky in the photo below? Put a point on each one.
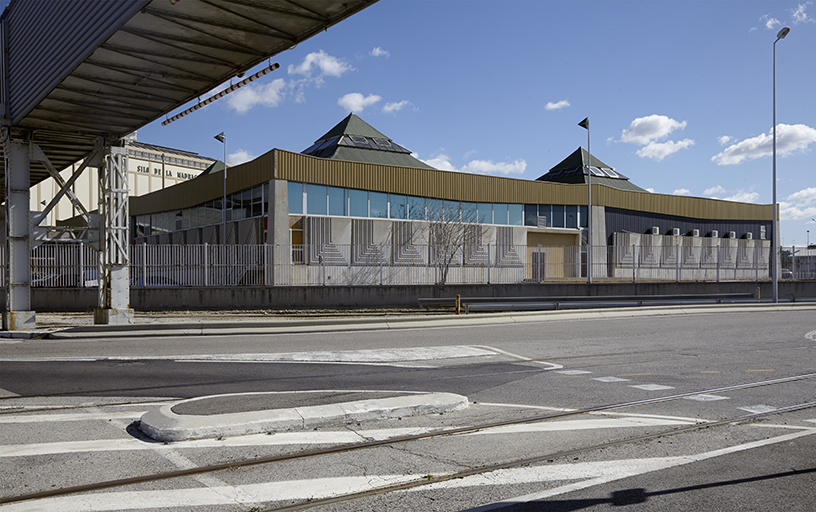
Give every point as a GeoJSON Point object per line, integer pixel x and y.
{"type": "Point", "coordinates": [678, 93]}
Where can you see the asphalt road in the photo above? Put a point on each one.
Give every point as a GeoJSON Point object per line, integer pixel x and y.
{"type": "Point", "coordinates": [61, 427]}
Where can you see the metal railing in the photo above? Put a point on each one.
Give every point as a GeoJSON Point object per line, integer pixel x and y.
{"type": "Point", "coordinates": [204, 265]}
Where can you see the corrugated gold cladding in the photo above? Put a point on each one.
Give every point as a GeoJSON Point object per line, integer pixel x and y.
{"type": "Point", "coordinates": [454, 186]}
{"type": "Point", "coordinates": [457, 186]}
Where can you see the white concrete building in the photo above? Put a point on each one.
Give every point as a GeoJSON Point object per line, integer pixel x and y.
{"type": "Point", "coordinates": [150, 168]}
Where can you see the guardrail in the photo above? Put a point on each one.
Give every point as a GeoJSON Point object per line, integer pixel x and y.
{"type": "Point", "coordinates": [533, 303]}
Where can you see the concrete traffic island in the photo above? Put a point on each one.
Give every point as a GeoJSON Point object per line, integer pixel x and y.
{"type": "Point", "coordinates": [264, 412]}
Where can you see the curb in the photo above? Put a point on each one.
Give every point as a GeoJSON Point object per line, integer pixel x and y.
{"type": "Point", "coordinates": [404, 322]}
{"type": "Point", "coordinates": [162, 424]}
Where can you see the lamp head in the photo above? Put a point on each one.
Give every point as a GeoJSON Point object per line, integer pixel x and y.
{"type": "Point", "coordinates": [782, 33]}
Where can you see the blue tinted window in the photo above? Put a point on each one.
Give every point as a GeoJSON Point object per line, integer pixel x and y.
{"type": "Point", "coordinates": [452, 213]}
{"type": "Point", "coordinates": [337, 201]}
{"type": "Point", "coordinates": [435, 209]}
{"type": "Point", "coordinates": [558, 216]}
{"type": "Point", "coordinates": [582, 215]}
{"type": "Point", "coordinates": [295, 192]}
{"type": "Point", "coordinates": [358, 203]}
{"type": "Point", "coordinates": [378, 204]}
{"type": "Point", "coordinates": [416, 207]}
{"type": "Point", "coordinates": [545, 210]}
{"type": "Point", "coordinates": [572, 216]}
{"type": "Point", "coordinates": [470, 213]}
{"type": "Point", "coordinates": [515, 212]}
{"type": "Point", "coordinates": [499, 213]}
{"type": "Point", "coordinates": [399, 206]}
{"type": "Point", "coordinates": [485, 212]}
{"type": "Point", "coordinates": [315, 199]}
{"type": "Point", "coordinates": [531, 215]}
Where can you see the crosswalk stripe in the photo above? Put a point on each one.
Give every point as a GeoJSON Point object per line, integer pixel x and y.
{"type": "Point", "coordinates": [590, 474]}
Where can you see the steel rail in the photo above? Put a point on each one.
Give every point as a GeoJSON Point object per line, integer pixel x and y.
{"type": "Point", "coordinates": [416, 437]}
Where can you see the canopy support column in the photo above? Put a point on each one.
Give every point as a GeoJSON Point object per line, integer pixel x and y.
{"type": "Point", "coordinates": [17, 314]}
{"type": "Point", "coordinates": [114, 257]}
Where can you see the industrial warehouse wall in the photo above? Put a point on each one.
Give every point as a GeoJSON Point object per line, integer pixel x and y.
{"type": "Point", "coordinates": [152, 299]}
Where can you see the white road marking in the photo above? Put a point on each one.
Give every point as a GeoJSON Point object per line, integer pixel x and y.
{"type": "Point", "coordinates": [550, 366]}
{"type": "Point", "coordinates": [651, 387]}
{"type": "Point", "coordinates": [610, 379]}
{"type": "Point", "coordinates": [590, 474]}
{"type": "Point", "coordinates": [706, 398]}
{"type": "Point", "coordinates": [571, 425]}
{"type": "Point", "coordinates": [811, 336]}
{"type": "Point", "coordinates": [316, 437]}
{"type": "Point", "coordinates": [572, 372]}
{"type": "Point", "coordinates": [757, 409]}
{"type": "Point", "coordinates": [60, 418]}
{"type": "Point", "coordinates": [617, 471]}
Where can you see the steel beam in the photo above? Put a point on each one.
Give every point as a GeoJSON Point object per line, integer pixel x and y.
{"type": "Point", "coordinates": [114, 257]}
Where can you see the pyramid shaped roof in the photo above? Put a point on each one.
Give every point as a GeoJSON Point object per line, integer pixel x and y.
{"type": "Point", "coordinates": [353, 125]}
{"type": "Point", "coordinates": [355, 140]}
{"type": "Point", "coordinates": [576, 167]}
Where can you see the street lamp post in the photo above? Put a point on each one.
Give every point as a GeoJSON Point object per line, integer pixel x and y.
{"type": "Point", "coordinates": [775, 242]}
{"type": "Point", "coordinates": [585, 124]}
{"type": "Point", "coordinates": [222, 138]}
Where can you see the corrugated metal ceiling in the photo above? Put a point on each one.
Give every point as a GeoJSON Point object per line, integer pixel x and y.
{"type": "Point", "coordinates": [137, 61]}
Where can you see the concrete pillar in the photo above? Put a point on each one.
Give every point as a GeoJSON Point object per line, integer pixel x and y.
{"type": "Point", "coordinates": [18, 314]}
{"type": "Point", "coordinates": [277, 231]}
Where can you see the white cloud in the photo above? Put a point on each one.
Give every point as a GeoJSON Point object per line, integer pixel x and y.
{"type": "Point", "coordinates": [805, 196]}
{"type": "Point", "coordinates": [660, 150]}
{"type": "Point", "coordinates": [770, 22]}
{"type": "Point", "coordinates": [396, 107]}
{"type": "Point", "coordinates": [557, 105]}
{"type": "Point", "coordinates": [490, 167]}
{"type": "Point", "coordinates": [650, 190]}
{"type": "Point", "coordinates": [647, 129]}
{"type": "Point", "coordinates": [322, 61]}
{"type": "Point", "coordinates": [800, 16]}
{"type": "Point", "coordinates": [268, 95]}
{"type": "Point", "coordinates": [442, 162]}
{"type": "Point", "coordinates": [240, 157]}
{"type": "Point", "coordinates": [714, 190]}
{"type": "Point", "coordinates": [789, 139]}
{"type": "Point", "coordinates": [789, 211]}
{"type": "Point", "coordinates": [743, 196]}
{"type": "Point", "coordinates": [799, 205]}
{"type": "Point", "coordinates": [356, 102]}
{"type": "Point", "coordinates": [379, 52]}
{"type": "Point", "coordinates": [682, 192]}
{"type": "Point", "coordinates": [725, 139]}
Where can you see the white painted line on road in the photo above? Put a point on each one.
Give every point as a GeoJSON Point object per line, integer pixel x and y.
{"type": "Point", "coordinates": [591, 474]}
{"type": "Point", "coordinates": [550, 366]}
{"type": "Point", "coordinates": [571, 425]}
{"type": "Point", "coordinates": [617, 470]}
{"type": "Point", "coordinates": [315, 437]}
{"type": "Point", "coordinates": [373, 356]}
{"type": "Point", "coordinates": [651, 387]}
{"type": "Point", "coordinates": [706, 398]}
{"type": "Point", "coordinates": [60, 418]}
{"type": "Point", "coordinates": [572, 372]}
{"type": "Point", "coordinates": [523, 406]}
{"type": "Point", "coordinates": [610, 379]}
{"type": "Point", "coordinates": [757, 409]}
{"type": "Point", "coordinates": [811, 336]}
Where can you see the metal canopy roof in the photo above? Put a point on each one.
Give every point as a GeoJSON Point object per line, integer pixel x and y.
{"type": "Point", "coordinates": [75, 70]}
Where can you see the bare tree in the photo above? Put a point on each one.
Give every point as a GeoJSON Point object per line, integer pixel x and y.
{"type": "Point", "coordinates": [452, 226]}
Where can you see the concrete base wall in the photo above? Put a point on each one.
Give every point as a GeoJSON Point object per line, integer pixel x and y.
{"type": "Point", "coordinates": [73, 299]}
